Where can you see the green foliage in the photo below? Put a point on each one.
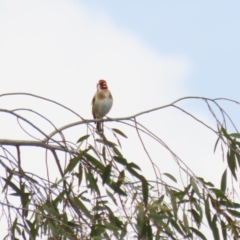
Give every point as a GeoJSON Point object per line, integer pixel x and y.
{"type": "Point", "coordinates": [179, 213]}
{"type": "Point", "coordinates": [101, 194]}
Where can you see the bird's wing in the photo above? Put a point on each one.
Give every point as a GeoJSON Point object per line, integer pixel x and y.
{"type": "Point", "coordinates": [93, 101]}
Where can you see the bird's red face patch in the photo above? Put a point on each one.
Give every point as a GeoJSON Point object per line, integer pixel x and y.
{"type": "Point", "coordinates": [102, 84]}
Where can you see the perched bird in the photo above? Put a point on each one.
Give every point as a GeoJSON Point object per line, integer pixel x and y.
{"type": "Point", "coordinates": [101, 103]}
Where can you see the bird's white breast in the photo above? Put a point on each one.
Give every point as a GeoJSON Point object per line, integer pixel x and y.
{"type": "Point", "coordinates": [103, 106]}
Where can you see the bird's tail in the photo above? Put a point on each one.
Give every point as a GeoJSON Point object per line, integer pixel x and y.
{"type": "Point", "coordinates": [100, 126]}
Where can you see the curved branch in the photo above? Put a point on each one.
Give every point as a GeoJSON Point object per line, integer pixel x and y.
{"type": "Point", "coordinates": [18, 143]}
{"type": "Point", "coordinates": [43, 98]}
{"type": "Point", "coordinates": [44, 143]}
{"type": "Point", "coordinates": [126, 118]}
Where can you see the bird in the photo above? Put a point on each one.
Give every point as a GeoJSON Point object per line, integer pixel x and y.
{"type": "Point", "coordinates": [101, 103]}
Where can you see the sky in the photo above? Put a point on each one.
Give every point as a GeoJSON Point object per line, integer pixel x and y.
{"type": "Point", "coordinates": [150, 52]}
{"type": "Point", "coordinates": [204, 32]}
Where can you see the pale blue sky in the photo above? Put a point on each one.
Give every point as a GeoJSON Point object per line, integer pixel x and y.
{"type": "Point", "coordinates": [206, 32]}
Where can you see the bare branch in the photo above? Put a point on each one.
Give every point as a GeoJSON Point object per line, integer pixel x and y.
{"type": "Point", "coordinates": [43, 98]}
{"type": "Point", "coordinates": [138, 114]}
{"type": "Point", "coordinates": [10, 142]}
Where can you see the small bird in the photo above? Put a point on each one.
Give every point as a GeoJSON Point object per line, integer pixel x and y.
{"type": "Point", "coordinates": [101, 103]}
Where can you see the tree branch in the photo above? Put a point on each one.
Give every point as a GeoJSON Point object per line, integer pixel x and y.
{"type": "Point", "coordinates": [18, 143]}
{"type": "Point", "coordinates": [130, 117]}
